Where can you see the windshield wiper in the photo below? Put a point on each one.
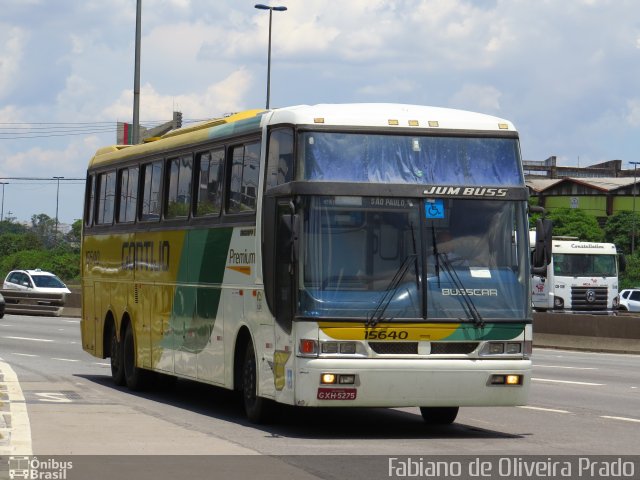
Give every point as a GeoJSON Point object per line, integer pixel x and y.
{"type": "Point", "coordinates": [436, 255]}
{"type": "Point", "coordinates": [470, 309]}
{"type": "Point", "coordinates": [390, 291]}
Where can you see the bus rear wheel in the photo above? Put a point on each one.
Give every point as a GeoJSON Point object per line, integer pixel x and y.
{"type": "Point", "coordinates": [439, 415]}
{"type": "Point", "coordinates": [136, 378]}
{"type": "Point", "coordinates": [117, 367]}
{"type": "Point", "coordinates": [257, 409]}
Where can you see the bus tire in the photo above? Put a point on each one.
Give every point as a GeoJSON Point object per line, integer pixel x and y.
{"type": "Point", "coordinates": [439, 415]}
{"type": "Point", "coordinates": [257, 409]}
{"type": "Point", "coordinates": [136, 378]}
{"type": "Point", "coordinates": [117, 360]}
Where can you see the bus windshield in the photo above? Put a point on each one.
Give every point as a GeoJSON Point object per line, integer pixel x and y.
{"type": "Point", "coordinates": [441, 160]}
{"type": "Point", "coordinates": [584, 265]}
{"type": "Point", "coordinates": [355, 249]}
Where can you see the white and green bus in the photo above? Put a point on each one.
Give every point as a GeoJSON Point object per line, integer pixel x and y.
{"type": "Point", "coordinates": [365, 255]}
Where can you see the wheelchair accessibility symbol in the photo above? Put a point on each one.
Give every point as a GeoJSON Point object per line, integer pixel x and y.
{"type": "Point", "coordinates": [434, 208]}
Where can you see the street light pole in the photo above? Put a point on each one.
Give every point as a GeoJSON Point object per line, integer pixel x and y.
{"type": "Point", "coordinates": [2, 210]}
{"type": "Point", "coordinates": [259, 6]}
{"type": "Point", "coordinates": [633, 218]}
{"type": "Point", "coordinates": [57, 197]}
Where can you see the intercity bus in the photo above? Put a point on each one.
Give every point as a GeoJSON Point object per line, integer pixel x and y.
{"type": "Point", "coordinates": [297, 256]}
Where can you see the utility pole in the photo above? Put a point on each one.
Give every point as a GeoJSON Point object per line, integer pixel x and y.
{"type": "Point", "coordinates": [2, 210]}
{"type": "Point", "coordinates": [135, 137]}
{"type": "Point", "coordinates": [57, 197]}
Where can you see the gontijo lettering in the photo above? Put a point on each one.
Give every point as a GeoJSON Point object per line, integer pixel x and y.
{"type": "Point", "coordinates": [145, 255]}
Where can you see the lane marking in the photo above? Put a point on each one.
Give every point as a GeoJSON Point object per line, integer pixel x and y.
{"type": "Point", "coordinates": [53, 397]}
{"type": "Point", "coordinates": [72, 321]}
{"type": "Point", "coordinates": [562, 366]}
{"type": "Point", "coordinates": [624, 419]}
{"type": "Point", "coordinates": [20, 431]}
{"type": "Point", "coordinates": [30, 339]}
{"type": "Point", "coordinates": [553, 410]}
{"type": "Point", "coordinates": [65, 359]}
{"type": "Point", "coordinates": [102, 364]}
{"type": "Point", "coordinates": [568, 382]}
{"type": "Point", "coordinates": [24, 354]}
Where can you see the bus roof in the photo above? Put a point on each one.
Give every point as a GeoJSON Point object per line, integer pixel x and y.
{"type": "Point", "coordinates": [388, 114]}
{"type": "Point", "coordinates": [373, 115]}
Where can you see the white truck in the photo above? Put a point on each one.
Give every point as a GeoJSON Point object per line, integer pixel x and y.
{"type": "Point", "coordinates": [581, 278]}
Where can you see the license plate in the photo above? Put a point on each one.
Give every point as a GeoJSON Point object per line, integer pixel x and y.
{"type": "Point", "coordinates": [337, 393]}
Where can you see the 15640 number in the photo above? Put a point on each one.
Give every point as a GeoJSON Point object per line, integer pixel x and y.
{"type": "Point", "coordinates": [385, 335]}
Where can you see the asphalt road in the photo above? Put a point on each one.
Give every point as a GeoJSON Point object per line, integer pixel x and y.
{"type": "Point", "coordinates": [581, 403]}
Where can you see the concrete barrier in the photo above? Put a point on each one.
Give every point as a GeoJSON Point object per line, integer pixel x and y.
{"type": "Point", "coordinates": [600, 333]}
{"type": "Point", "coordinates": [33, 303]}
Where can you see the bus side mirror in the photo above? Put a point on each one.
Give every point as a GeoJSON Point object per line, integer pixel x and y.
{"type": "Point", "coordinates": [542, 252]}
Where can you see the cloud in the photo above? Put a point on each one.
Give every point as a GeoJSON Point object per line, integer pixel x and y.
{"type": "Point", "coordinates": [633, 112]}
{"type": "Point", "coordinates": [481, 98]}
{"type": "Point", "coordinates": [12, 41]}
{"type": "Point", "coordinates": [219, 98]}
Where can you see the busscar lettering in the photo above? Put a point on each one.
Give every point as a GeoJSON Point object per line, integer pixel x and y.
{"type": "Point", "coordinates": [145, 256]}
{"type": "Point", "coordinates": [476, 292]}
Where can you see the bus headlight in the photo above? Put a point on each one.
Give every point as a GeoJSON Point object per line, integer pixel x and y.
{"type": "Point", "coordinates": [558, 302]}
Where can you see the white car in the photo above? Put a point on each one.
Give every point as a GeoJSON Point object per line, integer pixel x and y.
{"type": "Point", "coordinates": [34, 281]}
{"type": "Point", "coordinates": [630, 299]}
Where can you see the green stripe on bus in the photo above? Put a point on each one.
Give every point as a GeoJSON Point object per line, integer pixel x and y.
{"type": "Point", "coordinates": [193, 314]}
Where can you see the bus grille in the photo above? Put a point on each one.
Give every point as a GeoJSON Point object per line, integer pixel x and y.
{"type": "Point", "coordinates": [589, 298]}
{"type": "Point", "coordinates": [411, 348]}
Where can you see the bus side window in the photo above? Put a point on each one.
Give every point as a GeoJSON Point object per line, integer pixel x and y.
{"type": "Point", "coordinates": [106, 198]}
{"type": "Point", "coordinates": [280, 158]}
{"type": "Point", "coordinates": [210, 181]}
{"type": "Point", "coordinates": [178, 196]}
{"type": "Point", "coordinates": [128, 195]}
{"type": "Point", "coordinates": [151, 181]}
{"type": "Point", "coordinates": [90, 200]}
{"type": "Point", "coordinates": [243, 184]}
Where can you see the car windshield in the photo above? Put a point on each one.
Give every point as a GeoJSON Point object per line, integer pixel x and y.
{"type": "Point", "coordinates": [47, 281]}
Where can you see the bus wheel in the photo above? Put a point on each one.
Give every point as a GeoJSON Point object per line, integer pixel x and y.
{"type": "Point", "coordinates": [135, 377]}
{"type": "Point", "coordinates": [117, 367]}
{"type": "Point", "coordinates": [255, 407]}
{"type": "Point", "coordinates": [439, 415]}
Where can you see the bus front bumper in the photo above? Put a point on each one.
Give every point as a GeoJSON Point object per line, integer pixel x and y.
{"type": "Point", "coordinates": [410, 383]}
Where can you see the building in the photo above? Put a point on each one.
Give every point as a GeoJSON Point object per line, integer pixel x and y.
{"type": "Point", "coordinates": [599, 190]}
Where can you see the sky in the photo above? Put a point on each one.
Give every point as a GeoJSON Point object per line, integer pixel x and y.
{"type": "Point", "coordinates": [565, 72]}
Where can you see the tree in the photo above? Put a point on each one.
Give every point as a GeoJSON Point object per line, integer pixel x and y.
{"type": "Point", "coordinates": [576, 223]}
{"type": "Point", "coordinates": [75, 234]}
{"type": "Point", "coordinates": [7, 226]}
{"type": "Point", "coordinates": [619, 228]}
{"type": "Point", "coordinates": [45, 228]}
